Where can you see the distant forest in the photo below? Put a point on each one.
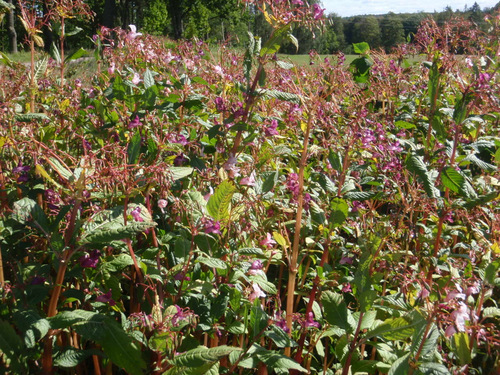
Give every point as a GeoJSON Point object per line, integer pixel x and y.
{"type": "Point", "coordinates": [226, 21]}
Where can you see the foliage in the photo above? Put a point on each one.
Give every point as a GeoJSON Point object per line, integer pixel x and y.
{"type": "Point", "coordinates": [193, 210]}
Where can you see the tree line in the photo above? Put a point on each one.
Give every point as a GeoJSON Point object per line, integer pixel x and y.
{"type": "Point", "coordinates": [226, 21]}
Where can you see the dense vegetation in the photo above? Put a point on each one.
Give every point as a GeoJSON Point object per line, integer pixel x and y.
{"type": "Point", "coordinates": [229, 20]}
{"type": "Point", "coordinates": [197, 210]}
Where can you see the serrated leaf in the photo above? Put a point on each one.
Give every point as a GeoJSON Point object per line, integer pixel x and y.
{"type": "Point", "coordinates": [109, 225]}
{"type": "Point", "coordinates": [279, 361]}
{"type": "Point", "coordinates": [432, 368]}
{"type": "Point", "coordinates": [269, 179]}
{"type": "Point", "coordinates": [219, 202]}
{"type": "Point", "coordinates": [339, 211]}
{"type": "Point", "coordinates": [22, 210]}
{"type": "Point", "coordinates": [284, 65]}
{"type": "Point", "coordinates": [180, 172]}
{"type": "Point", "coordinates": [212, 262]}
{"type": "Point", "coordinates": [76, 55]}
{"type": "Point", "coordinates": [461, 347]}
{"type": "Point", "coordinates": [149, 80]}
{"type": "Point", "coordinates": [360, 195]}
{"type": "Point", "coordinates": [415, 164]}
{"type": "Point", "coordinates": [71, 357]}
{"type": "Point", "coordinates": [401, 366]}
{"type": "Point", "coordinates": [453, 180]}
{"type": "Point", "coordinates": [335, 310]}
{"type": "Point", "coordinates": [491, 312]}
{"type": "Point", "coordinates": [280, 95]}
{"type": "Point", "coordinates": [250, 251]}
{"type": "Point", "coordinates": [201, 355]}
{"type": "Point", "coordinates": [11, 347]}
{"type": "Point", "coordinates": [28, 117]}
{"type": "Point", "coordinates": [393, 329]}
{"type": "Point", "coordinates": [134, 148]}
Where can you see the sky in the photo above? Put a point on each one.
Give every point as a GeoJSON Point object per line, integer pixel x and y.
{"type": "Point", "coordinates": [347, 8]}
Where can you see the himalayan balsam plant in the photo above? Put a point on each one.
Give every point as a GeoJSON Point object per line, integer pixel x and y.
{"type": "Point", "coordinates": [193, 209]}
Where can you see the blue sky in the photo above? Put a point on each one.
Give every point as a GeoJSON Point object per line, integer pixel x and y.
{"type": "Point", "coordinates": [346, 8]}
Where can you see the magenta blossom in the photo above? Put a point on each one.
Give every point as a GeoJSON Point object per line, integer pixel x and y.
{"type": "Point", "coordinates": [271, 129]}
{"type": "Point", "coordinates": [134, 123]}
{"type": "Point", "coordinates": [212, 226]}
{"type": "Point", "coordinates": [136, 214]}
{"type": "Point", "coordinates": [268, 241]}
{"type": "Point", "coordinates": [310, 322]}
{"type": "Point", "coordinates": [318, 11]}
{"type": "Point", "coordinates": [90, 260]}
{"type": "Point", "coordinates": [256, 268]}
{"type": "Point", "coordinates": [106, 298]}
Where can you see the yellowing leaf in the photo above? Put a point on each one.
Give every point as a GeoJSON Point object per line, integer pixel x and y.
{"type": "Point", "coordinates": [64, 105]}
{"type": "Point", "coordinates": [38, 40]}
{"type": "Point", "coordinates": [495, 248]}
{"type": "Point", "coordinates": [280, 239]}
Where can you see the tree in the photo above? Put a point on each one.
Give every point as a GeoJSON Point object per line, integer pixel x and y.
{"type": "Point", "coordinates": [367, 29]}
{"type": "Point", "coordinates": [9, 8]}
{"type": "Point", "coordinates": [155, 18]}
{"type": "Point", "coordinates": [391, 31]}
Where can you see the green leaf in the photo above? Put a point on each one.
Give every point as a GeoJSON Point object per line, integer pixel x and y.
{"type": "Point", "coordinates": [258, 319]}
{"type": "Point", "coordinates": [279, 337]}
{"type": "Point", "coordinates": [317, 214]}
{"type": "Point", "coordinates": [490, 273]}
{"type": "Point", "coordinates": [401, 366]}
{"type": "Point", "coordinates": [212, 262]}
{"type": "Point", "coordinates": [134, 148]}
{"type": "Point", "coordinates": [11, 347]}
{"type": "Point", "coordinates": [109, 225]}
{"type": "Point", "coordinates": [76, 55]}
{"type": "Point", "coordinates": [335, 310]}
{"type": "Point", "coordinates": [453, 180]}
{"type": "Point", "coordinates": [361, 48]}
{"type": "Point", "coordinates": [219, 202]}
{"type": "Point", "coordinates": [491, 312]}
{"type": "Point", "coordinates": [405, 125]}
{"type": "Point", "coordinates": [269, 180]}
{"type": "Point", "coordinates": [393, 329]}
{"type": "Point", "coordinates": [28, 117]}
{"type": "Point", "coordinates": [432, 368]}
{"type": "Point", "coordinates": [201, 355]}
{"type": "Point", "coordinates": [461, 347]}
{"type": "Point", "coordinates": [339, 211]}
{"type": "Point", "coordinates": [22, 210]}
{"type": "Point", "coordinates": [335, 159]}
{"type": "Point", "coordinates": [178, 173]}
{"type": "Point", "coordinates": [115, 342]}
{"type": "Point", "coordinates": [149, 80]}
{"type": "Point", "coordinates": [280, 95]}
{"type": "Point", "coordinates": [360, 195]}
{"type": "Point", "coordinates": [279, 361]}
{"type": "Point", "coordinates": [415, 164]}
{"type": "Point", "coordinates": [71, 357]}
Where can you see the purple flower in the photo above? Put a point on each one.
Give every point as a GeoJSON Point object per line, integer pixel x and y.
{"type": "Point", "coordinates": [256, 267]}
{"type": "Point", "coordinates": [282, 324]}
{"type": "Point", "coordinates": [106, 298]}
{"type": "Point", "coordinates": [310, 322]}
{"type": "Point", "coordinates": [22, 170]}
{"type": "Point", "coordinates": [134, 123]}
{"type": "Point", "coordinates": [318, 11]}
{"type": "Point", "coordinates": [268, 241]}
{"type": "Point", "coordinates": [271, 129]}
{"type": "Point", "coordinates": [181, 276]}
{"type": "Point", "coordinates": [346, 288]}
{"type": "Point", "coordinates": [219, 104]}
{"type": "Point", "coordinates": [136, 214]}
{"type": "Point", "coordinates": [248, 181]}
{"type": "Point", "coordinates": [212, 227]}
{"type": "Point", "coordinates": [256, 293]}
{"type": "Point", "coordinates": [90, 260]}
{"type": "Point", "coordinates": [38, 280]}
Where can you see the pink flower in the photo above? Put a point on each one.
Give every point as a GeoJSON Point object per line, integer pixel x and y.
{"type": "Point", "coordinates": [271, 129]}
{"type": "Point", "coordinates": [256, 268]}
{"type": "Point", "coordinates": [248, 181]}
{"type": "Point", "coordinates": [136, 79]}
{"type": "Point", "coordinates": [268, 242]}
{"type": "Point", "coordinates": [212, 227]}
{"type": "Point", "coordinates": [133, 32]}
{"type": "Point", "coordinates": [318, 11]}
{"type": "Point", "coordinates": [134, 123]}
{"type": "Point", "coordinates": [111, 69]}
{"type": "Point", "coordinates": [162, 203]}
{"type": "Point", "coordinates": [136, 214]}
{"type": "Point", "coordinates": [310, 322]}
{"type": "Point", "coordinates": [256, 293]}
{"type": "Point", "coordinates": [460, 315]}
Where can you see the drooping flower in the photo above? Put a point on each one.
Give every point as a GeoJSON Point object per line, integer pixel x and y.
{"type": "Point", "coordinates": [134, 123]}
{"type": "Point", "coordinates": [90, 260]}
{"type": "Point", "coordinates": [310, 322]}
{"type": "Point", "coordinates": [111, 68]}
{"type": "Point", "coordinates": [162, 203]}
{"type": "Point", "coordinates": [256, 293]}
{"type": "Point", "coordinates": [271, 129]}
{"type": "Point", "coordinates": [268, 242]}
{"type": "Point", "coordinates": [318, 11]}
{"type": "Point", "coordinates": [136, 79]}
{"type": "Point", "coordinates": [133, 32]}
{"type": "Point", "coordinates": [106, 298]}
{"type": "Point", "coordinates": [256, 268]}
{"type": "Point", "coordinates": [212, 227]}
{"type": "Point", "coordinates": [136, 214]}
{"type": "Point", "coordinates": [249, 180]}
